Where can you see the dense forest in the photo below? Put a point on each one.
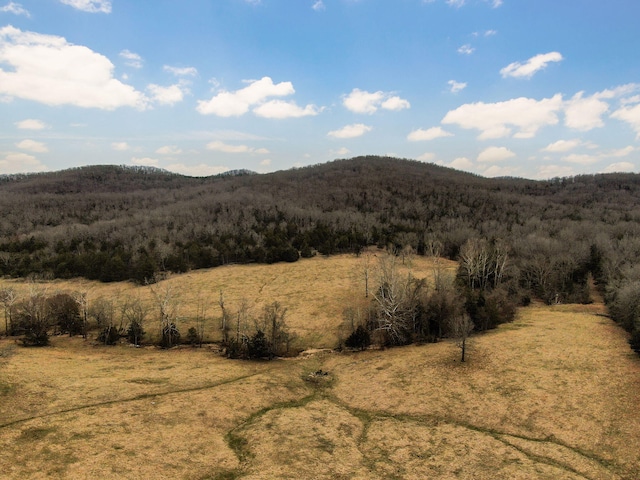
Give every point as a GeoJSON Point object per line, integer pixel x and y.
{"type": "Point", "coordinates": [114, 223]}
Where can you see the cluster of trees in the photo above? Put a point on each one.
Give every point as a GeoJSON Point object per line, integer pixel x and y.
{"type": "Point", "coordinates": [36, 315]}
{"type": "Point", "coordinates": [115, 223]}
{"type": "Point", "coordinates": [404, 309]}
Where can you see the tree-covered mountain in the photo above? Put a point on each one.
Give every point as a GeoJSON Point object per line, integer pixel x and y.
{"type": "Point", "coordinates": [120, 223]}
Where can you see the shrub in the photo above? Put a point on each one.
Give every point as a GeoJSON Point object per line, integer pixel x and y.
{"type": "Point", "coordinates": [258, 346]}
{"type": "Point", "coordinates": [109, 335]}
{"type": "Point", "coordinates": [359, 339]}
{"type": "Point", "coordinates": [170, 336]}
{"type": "Point", "coordinates": [634, 341]}
{"type": "Point", "coordinates": [135, 332]}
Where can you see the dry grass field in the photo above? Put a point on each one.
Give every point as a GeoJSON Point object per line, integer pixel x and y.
{"type": "Point", "coordinates": [314, 291]}
{"type": "Point", "coordinates": [553, 395]}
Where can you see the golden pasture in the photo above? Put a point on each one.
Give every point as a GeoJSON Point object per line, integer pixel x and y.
{"type": "Point", "coordinates": [553, 395]}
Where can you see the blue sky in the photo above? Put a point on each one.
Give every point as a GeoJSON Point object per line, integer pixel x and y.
{"type": "Point", "coordinates": [528, 88]}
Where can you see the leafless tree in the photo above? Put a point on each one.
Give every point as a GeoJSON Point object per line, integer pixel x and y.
{"type": "Point", "coordinates": [461, 328]}
{"type": "Point", "coordinates": [8, 297]}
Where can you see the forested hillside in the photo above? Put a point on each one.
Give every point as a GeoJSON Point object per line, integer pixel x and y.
{"type": "Point", "coordinates": [117, 223]}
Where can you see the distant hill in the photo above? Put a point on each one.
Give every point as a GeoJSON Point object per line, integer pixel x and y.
{"type": "Point", "coordinates": [115, 223]}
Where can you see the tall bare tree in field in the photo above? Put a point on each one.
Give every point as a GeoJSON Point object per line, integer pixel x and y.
{"type": "Point", "coordinates": [8, 298]}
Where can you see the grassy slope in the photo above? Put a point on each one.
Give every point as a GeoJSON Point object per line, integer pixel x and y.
{"type": "Point", "coordinates": [553, 395]}
{"type": "Point", "coordinates": [315, 291]}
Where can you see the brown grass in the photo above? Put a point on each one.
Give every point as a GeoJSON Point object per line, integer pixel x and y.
{"type": "Point", "coordinates": [551, 396]}
{"type": "Point", "coordinates": [314, 291]}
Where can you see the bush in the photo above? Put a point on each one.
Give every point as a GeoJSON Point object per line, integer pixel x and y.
{"type": "Point", "coordinates": [170, 336]}
{"type": "Point", "coordinates": [258, 346]}
{"type": "Point", "coordinates": [109, 335]}
{"type": "Point", "coordinates": [135, 333]}
{"type": "Point", "coordinates": [359, 339]}
{"type": "Point", "coordinates": [634, 341]}
{"type": "Point", "coordinates": [192, 336]}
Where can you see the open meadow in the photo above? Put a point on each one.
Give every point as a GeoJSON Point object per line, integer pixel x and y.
{"type": "Point", "coordinates": [553, 395]}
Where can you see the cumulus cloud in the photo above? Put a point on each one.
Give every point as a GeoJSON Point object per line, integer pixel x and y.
{"type": "Point", "coordinates": [49, 70]}
{"type": "Point", "coordinates": [361, 101]}
{"type": "Point", "coordinates": [200, 170]}
{"type": "Point", "coordinates": [562, 146]}
{"type": "Point", "coordinates": [235, 104]}
{"type": "Point", "coordinates": [167, 95]}
{"type": "Point", "coordinates": [455, 87]}
{"type": "Point", "coordinates": [31, 124]}
{"type": "Point", "coordinates": [461, 163]}
{"type": "Point", "coordinates": [120, 146]}
{"type": "Point", "coordinates": [619, 167]}
{"type": "Point", "coordinates": [20, 163]}
{"type": "Point", "coordinates": [32, 146]}
{"type": "Point", "coordinates": [531, 66]}
{"type": "Point", "coordinates": [429, 134]}
{"type": "Point", "coordinates": [181, 71]}
{"type": "Point", "coordinates": [145, 161]}
{"type": "Point", "coordinates": [630, 115]}
{"type": "Point", "coordinates": [219, 146]}
{"type": "Point", "coordinates": [466, 49]}
{"type": "Point", "coordinates": [341, 151]}
{"type": "Point", "coordinates": [91, 6]}
{"type": "Point", "coordinates": [318, 5]}
{"type": "Point", "coordinates": [266, 162]}
{"type": "Point", "coordinates": [495, 154]}
{"type": "Point", "coordinates": [554, 171]}
{"type": "Point", "coordinates": [580, 159]}
{"type": "Point", "coordinates": [585, 113]}
{"type": "Point", "coordinates": [280, 109]}
{"type": "Point", "coordinates": [350, 131]}
{"type": "Point", "coordinates": [169, 150]}
{"type": "Point", "coordinates": [16, 9]}
{"type": "Point", "coordinates": [497, 120]}
{"type": "Point", "coordinates": [427, 157]}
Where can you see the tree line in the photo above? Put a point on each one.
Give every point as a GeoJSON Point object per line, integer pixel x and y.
{"type": "Point", "coordinates": [115, 223]}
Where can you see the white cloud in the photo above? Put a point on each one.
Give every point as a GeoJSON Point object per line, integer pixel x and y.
{"type": "Point", "coordinates": [32, 146]}
{"type": "Point", "coordinates": [621, 152]}
{"type": "Point", "coordinates": [47, 69]}
{"type": "Point", "coordinates": [145, 161]}
{"type": "Point", "coordinates": [429, 134]}
{"type": "Point", "coordinates": [630, 115]}
{"type": "Point", "coordinates": [562, 146]}
{"type": "Point", "coordinates": [455, 3]}
{"type": "Point", "coordinates": [16, 9]}
{"type": "Point", "coordinates": [219, 146]}
{"type": "Point", "coordinates": [120, 146]}
{"type": "Point", "coordinates": [361, 101]}
{"type": "Point", "coordinates": [427, 157]}
{"type": "Point", "coordinates": [169, 150]}
{"type": "Point", "coordinates": [266, 162]}
{"type": "Point", "coordinates": [461, 163]}
{"type": "Point", "coordinates": [318, 5]}
{"type": "Point", "coordinates": [490, 33]}
{"type": "Point", "coordinates": [166, 95]}
{"type": "Point", "coordinates": [456, 87]}
{"type": "Point", "coordinates": [20, 163]}
{"type": "Point", "coordinates": [181, 71]}
{"type": "Point", "coordinates": [497, 171]}
{"type": "Point", "coordinates": [619, 167]}
{"type": "Point", "coordinates": [580, 159]}
{"type": "Point", "coordinates": [495, 154]}
{"type": "Point", "coordinates": [630, 100]}
{"type": "Point", "coordinates": [531, 66]}
{"type": "Point", "coordinates": [280, 109]}
{"type": "Point", "coordinates": [466, 49]}
{"type": "Point", "coordinates": [495, 120]}
{"type": "Point", "coordinates": [201, 170]}
{"type": "Point", "coordinates": [350, 131]}
{"type": "Point", "coordinates": [133, 60]}
{"type": "Point", "coordinates": [91, 6]}
{"type": "Point", "coordinates": [31, 124]}
{"type": "Point", "coordinates": [235, 104]}
{"type": "Point", "coordinates": [584, 113]}
{"type": "Point", "coordinates": [495, 3]}
{"type": "Point", "coordinates": [341, 151]}
{"type": "Point", "coordinates": [395, 103]}
{"type": "Point", "coordinates": [554, 171]}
